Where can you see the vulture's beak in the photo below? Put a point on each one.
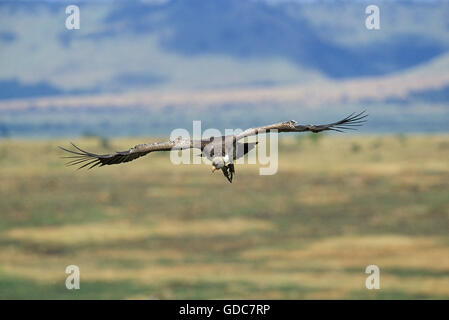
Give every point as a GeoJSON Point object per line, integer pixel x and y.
{"type": "Point", "coordinates": [213, 168]}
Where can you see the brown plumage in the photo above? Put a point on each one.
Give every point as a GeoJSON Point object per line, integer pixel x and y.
{"type": "Point", "coordinates": [216, 149]}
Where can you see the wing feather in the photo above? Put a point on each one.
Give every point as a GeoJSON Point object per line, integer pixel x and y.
{"type": "Point", "coordinates": [351, 122]}
{"type": "Point", "coordinates": [92, 160]}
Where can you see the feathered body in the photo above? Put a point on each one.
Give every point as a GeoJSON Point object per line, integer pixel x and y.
{"type": "Point", "coordinates": [221, 151]}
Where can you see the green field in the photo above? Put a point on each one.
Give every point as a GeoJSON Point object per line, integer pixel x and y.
{"type": "Point", "coordinates": [152, 230]}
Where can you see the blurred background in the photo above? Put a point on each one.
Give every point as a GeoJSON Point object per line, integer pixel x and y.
{"type": "Point", "coordinates": [136, 70]}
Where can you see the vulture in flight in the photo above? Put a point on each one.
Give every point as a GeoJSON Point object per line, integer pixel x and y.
{"type": "Point", "coordinates": [221, 151]}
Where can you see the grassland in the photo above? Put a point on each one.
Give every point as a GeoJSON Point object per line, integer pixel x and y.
{"type": "Point", "coordinates": [152, 230]}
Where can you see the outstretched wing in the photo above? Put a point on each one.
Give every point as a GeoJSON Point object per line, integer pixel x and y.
{"type": "Point", "coordinates": [351, 122]}
{"type": "Point", "coordinates": [91, 160]}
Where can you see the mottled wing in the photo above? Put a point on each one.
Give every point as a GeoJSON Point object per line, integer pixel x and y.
{"type": "Point", "coordinates": [351, 122]}
{"type": "Point", "coordinates": [91, 160]}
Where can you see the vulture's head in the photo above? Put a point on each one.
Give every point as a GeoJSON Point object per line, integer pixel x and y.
{"type": "Point", "coordinates": [217, 163]}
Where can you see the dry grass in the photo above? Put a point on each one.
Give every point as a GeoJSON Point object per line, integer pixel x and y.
{"type": "Point", "coordinates": [154, 230]}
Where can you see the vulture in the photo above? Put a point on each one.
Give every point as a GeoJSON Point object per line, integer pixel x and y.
{"type": "Point", "coordinates": [221, 151]}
